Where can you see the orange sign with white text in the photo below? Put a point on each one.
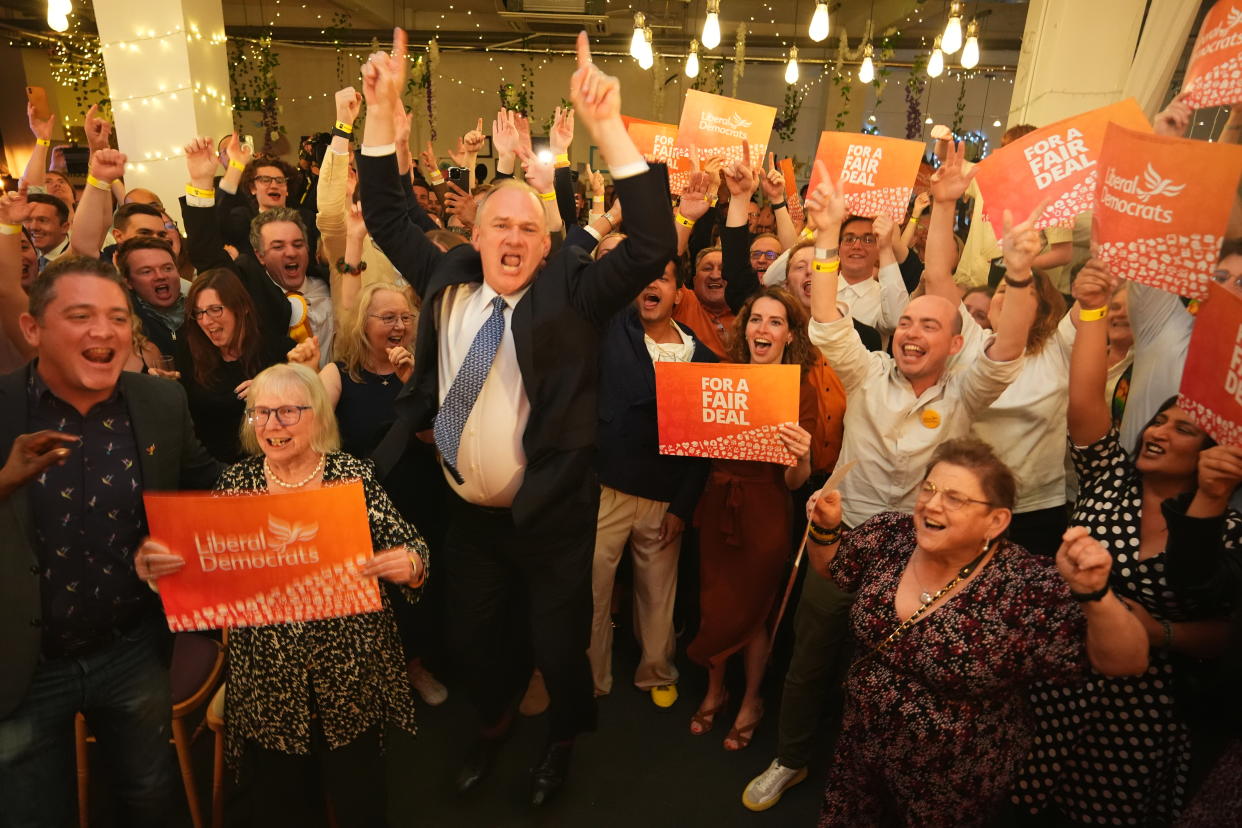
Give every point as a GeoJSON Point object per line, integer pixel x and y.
{"type": "Point", "coordinates": [1059, 163]}
{"type": "Point", "coordinates": [1211, 389]}
{"type": "Point", "coordinates": [876, 174]}
{"type": "Point", "coordinates": [732, 412]}
{"type": "Point", "coordinates": [261, 559]}
{"type": "Point", "coordinates": [716, 125]}
{"type": "Point", "coordinates": [658, 143]}
{"type": "Point", "coordinates": [1158, 218]}
{"type": "Point", "coordinates": [1214, 73]}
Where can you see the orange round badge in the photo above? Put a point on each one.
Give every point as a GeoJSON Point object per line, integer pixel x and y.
{"type": "Point", "coordinates": [930, 418]}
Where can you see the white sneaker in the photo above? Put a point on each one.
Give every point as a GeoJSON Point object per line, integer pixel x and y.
{"type": "Point", "coordinates": [765, 790]}
{"type": "Point", "coordinates": [429, 688]}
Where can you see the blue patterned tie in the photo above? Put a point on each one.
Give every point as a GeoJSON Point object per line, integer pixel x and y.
{"type": "Point", "coordinates": [458, 402]}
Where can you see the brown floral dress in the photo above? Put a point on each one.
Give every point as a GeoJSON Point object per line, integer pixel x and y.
{"type": "Point", "coordinates": [349, 671]}
{"type": "Point", "coordinates": [937, 725]}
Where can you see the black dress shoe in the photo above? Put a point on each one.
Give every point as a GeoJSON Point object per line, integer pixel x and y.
{"type": "Point", "coordinates": [478, 763]}
{"type": "Point", "coordinates": [550, 775]}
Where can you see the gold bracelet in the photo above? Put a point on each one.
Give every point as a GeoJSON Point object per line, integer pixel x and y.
{"type": "Point", "coordinates": [198, 192]}
{"type": "Point", "coordinates": [92, 181]}
{"type": "Point", "coordinates": [682, 220]}
{"type": "Point", "coordinates": [234, 164]}
{"type": "Point", "coordinates": [422, 576]}
{"type": "Point", "coordinates": [826, 267]}
{"type": "Point", "coordinates": [10, 229]}
{"type": "Point", "coordinates": [1092, 314]}
{"type": "Point", "coordinates": [348, 129]}
{"type": "Point", "coordinates": [547, 196]}
{"type": "Point", "coordinates": [43, 142]}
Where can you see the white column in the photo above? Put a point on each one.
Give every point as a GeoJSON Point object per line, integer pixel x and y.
{"type": "Point", "coordinates": [168, 76]}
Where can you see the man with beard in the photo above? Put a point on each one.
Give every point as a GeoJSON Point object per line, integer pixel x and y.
{"type": "Point", "coordinates": [646, 498]}
{"type": "Point", "coordinates": [78, 630]}
{"type": "Point", "coordinates": [278, 275]}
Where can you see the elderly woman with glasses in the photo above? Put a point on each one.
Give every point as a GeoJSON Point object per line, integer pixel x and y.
{"type": "Point", "coordinates": [954, 624]}
{"type": "Point", "coordinates": [314, 696]}
{"type": "Point", "coordinates": [219, 351]}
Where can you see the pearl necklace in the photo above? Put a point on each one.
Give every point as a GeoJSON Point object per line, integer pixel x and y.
{"type": "Point", "coordinates": [267, 467]}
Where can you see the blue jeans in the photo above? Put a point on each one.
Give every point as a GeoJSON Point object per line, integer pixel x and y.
{"type": "Point", "coordinates": [123, 692]}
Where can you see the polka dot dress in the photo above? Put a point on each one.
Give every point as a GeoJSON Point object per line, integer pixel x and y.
{"type": "Point", "coordinates": [1114, 751]}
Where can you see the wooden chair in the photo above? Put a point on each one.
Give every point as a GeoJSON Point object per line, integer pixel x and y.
{"type": "Point", "coordinates": [195, 673]}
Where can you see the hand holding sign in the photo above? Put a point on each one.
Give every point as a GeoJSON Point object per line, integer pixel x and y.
{"type": "Point", "coordinates": [1220, 472]}
{"type": "Point", "coordinates": [1173, 121]}
{"type": "Point", "coordinates": [1093, 286]}
{"type": "Point", "coordinates": [154, 560]}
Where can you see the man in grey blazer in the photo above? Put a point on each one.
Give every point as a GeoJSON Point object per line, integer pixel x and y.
{"type": "Point", "coordinates": [78, 630]}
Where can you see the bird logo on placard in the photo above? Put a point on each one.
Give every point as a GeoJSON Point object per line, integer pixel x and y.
{"type": "Point", "coordinates": [285, 533]}
{"type": "Point", "coordinates": [1155, 185]}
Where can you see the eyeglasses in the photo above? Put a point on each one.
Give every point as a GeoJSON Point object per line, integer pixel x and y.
{"type": "Point", "coordinates": [866, 238]}
{"type": "Point", "coordinates": [214, 311]}
{"type": "Point", "coordinates": [764, 254]}
{"type": "Point", "coordinates": [952, 500]}
{"type": "Point", "coordinates": [278, 180]}
{"type": "Point", "coordinates": [286, 415]}
{"type": "Point", "coordinates": [389, 320]}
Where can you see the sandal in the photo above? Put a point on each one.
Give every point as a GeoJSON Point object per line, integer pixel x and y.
{"type": "Point", "coordinates": [704, 719]}
{"type": "Point", "coordinates": [741, 736]}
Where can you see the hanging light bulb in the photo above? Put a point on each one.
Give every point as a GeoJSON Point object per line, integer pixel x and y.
{"type": "Point", "coordinates": [59, 8]}
{"type": "Point", "coordinates": [819, 22]}
{"type": "Point", "coordinates": [58, 22]}
{"type": "Point", "coordinates": [648, 58]}
{"type": "Point", "coordinates": [952, 40]}
{"type": "Point", "coordinates": [791, 68]}
{"type": "Point", "coordinates": [935, 64]}
{"type": "Point", "coordinates": [692, 60]}
{"type": "Point", "coordinates": [711, 25]}
{"type": "Point", "coordinates": [866, 72]}
{"type": "Point", "coordinates": [638, 41]}
{"type": "Point", "coordinates": [970, 52]}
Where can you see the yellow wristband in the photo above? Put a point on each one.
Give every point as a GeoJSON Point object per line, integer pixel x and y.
{"type": "Point", "coordinates": [10, 229]}
{"type": "Point", "coordinates": [807, 233]}
{"type": "Point", "coordinates": [190, 189]}
{"type": "Point", "coordinates": [234, 164]}
{"type": "Point", "coordinates": [597, 198]}
{"type": "Point", "coordinates": [344, 127]}
{"type": "Point", "coordinates": [436, 178]}
{"type": "Point", "coordinates": [827, 267]}
{"type": "Point", "coordinates": [547, 196]}
{"type": "Point", "coordinates": [1093, 315]}
{"type": "Point", "coordinates": [43, 142]}
{"type": "Point", "coordinates": [682, 220]}
{"type": "Point", "coordinates": [92, 181]}
{"type": "Point", "coordinates": [562, 160]}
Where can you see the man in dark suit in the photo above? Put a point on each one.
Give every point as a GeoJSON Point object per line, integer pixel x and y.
{"type": "Point", "coordinates": [506, 371]}
{"type": "Point", "coordinates": [78, 630]}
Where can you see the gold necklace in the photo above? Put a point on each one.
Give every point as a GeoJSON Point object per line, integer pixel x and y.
{"type": "Point", "coordinates": [267, 467]}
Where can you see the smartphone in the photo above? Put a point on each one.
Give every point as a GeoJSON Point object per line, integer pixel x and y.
{"type": "Point", "coordinates": [573, 176]}
{"type": "Point", "coordinates": [459, 176]}
{"type": "Point", "coordinates": [37, 96]}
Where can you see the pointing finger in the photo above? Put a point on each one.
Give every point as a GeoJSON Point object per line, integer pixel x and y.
{"type": "Point", "coordinates": [746, 151]}
{"type": "Point", "coordinates": [584, 50]}
{"type": "Point", "coordinates": [399, 43]}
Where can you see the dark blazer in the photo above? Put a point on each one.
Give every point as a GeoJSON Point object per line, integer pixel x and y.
{"type": "Point", "coordinates": [629, 446]}
{"type": "Point", "coordinates": [556, 326]}
{"type": "Point", "coordinates": [170, 457]}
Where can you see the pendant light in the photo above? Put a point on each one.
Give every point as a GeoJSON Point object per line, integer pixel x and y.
{"type": "Point", "coordinates": [791, 68]}
{"type": "Point", "coordinates": [866, 72]}
{"type": "Point", "coordinates": [637, 40]}
{"type": "Point", "coordinates": [692, 60]}
{"type": "Point", "coordinates": [970, 52]}
{"type": "Point", "coordinates": [819, 22]}
{"type": "Point", "coordinates": [711, 25]}
{"type": "Point", "coordinates": [935, 64]}
{"type": "Point", "coordinates": [952, 38]}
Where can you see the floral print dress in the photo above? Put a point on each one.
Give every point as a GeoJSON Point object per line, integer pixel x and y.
{"type": "Point", "coordinates": [1115, 751]}
{"type": "Point", "coordinates": [348, 671]}
{"type": "Point", "coordinates": [937, 725]}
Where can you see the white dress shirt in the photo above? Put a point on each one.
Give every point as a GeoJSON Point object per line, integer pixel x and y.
{"type": "Point", "coordinates": [490, 458]}
{"type": "Point", "coordinates": [889, 430]}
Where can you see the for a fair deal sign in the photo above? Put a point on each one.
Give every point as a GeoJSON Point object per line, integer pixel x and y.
{"type": "Point", "coordinates": [1211, 389]}
{"type": "Point", "coordinates": [875, 174]}
{"type": "Point", "coordinates": [1214, 73]}
{"type": "Point", "coordinates": [713, 125]}
{"type": "Point", "coordinates": [1059, 163]}
{"type": "Point", "coordinates": [732, 412]}
{"type": "Point", "coordinates": [262, 559]}
{"type": "Point", "coordinates": [1162, 205]}
{"type": "Point", "coordinates": [658, 143]}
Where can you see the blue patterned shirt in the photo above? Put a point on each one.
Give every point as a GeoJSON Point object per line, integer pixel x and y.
{"type": "Point", "coordinates": [89, 520]}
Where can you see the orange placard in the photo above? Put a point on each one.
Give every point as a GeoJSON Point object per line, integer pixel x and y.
{"type": "Point", "coordinates": [791, 179]}
{"type": "Point", "coordinates": [658, 142]}
{"type": "Point", "coordinates": [728, 411]}
{"type": "Point", "coordinates": [875, 174]}
{"type": "Point", "coordinates": [1211, 389]}
{"type": "Point", "coordinates": [1214, 73]}
{"type": "Point", "coordinates": [716, 125]}
{"type": "Point", "coordinates": [1059, 162]}
{"type": "Point", "coordinates": [260, 559]}
{"type": "Point", "coordinates": [1159, 219]}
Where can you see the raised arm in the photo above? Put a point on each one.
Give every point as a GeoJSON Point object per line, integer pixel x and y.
{"type": "Point", "coordinates": [921, 202]}
{"type": "Point", "coordinates": [540, 174]}
{"type": "Point", "coordinates": [691, 207]}
{"type": "Point", "coordinates": [332, 199]}
{"type": "Point", "coordinates": [1116, 641]}
{"type": "Point", "coordinates": [1088, 416]}
{"type": "Point", "coordinates": [948, 184]}
{"type": "Point", "coordinates": [740, 278]}
{"type": "Point", "coordinates": [14, 209]}
{"type": "Point", "coordinates": [773, 182]}
{"type": "Point", "coordinates": [1020, 244]}
{"type": "Point", "coordinates": [94, 214]}
{"type": "Point", "coordinates": [560, 138]}
{"type": "Point", "coordinates": [36, 167]}
{"type": "Point", "coordinates": [825, 211]}
{"type": "Point", "coordinates": [206, 244]}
